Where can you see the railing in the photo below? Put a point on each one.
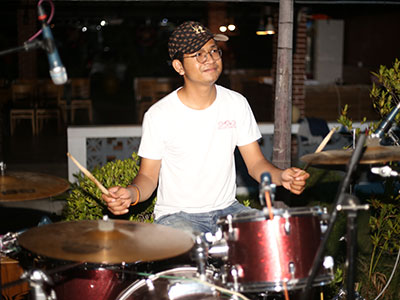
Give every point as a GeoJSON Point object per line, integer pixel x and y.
{"type": "Point", "coordinates": [124, 139]}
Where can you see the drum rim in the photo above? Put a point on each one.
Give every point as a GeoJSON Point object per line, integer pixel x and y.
{"type": "Point", "coordinates": [262, 215]}
{"type": "Point", "coordinates": [278, 285]}
{"type": "Point", "coordinates": [127, 292]}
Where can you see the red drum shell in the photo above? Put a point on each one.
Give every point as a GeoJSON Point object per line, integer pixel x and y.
{"type": "Point", "coordinates": [91, 283]}
{"type": "Point", "coordinates": [268, 253]}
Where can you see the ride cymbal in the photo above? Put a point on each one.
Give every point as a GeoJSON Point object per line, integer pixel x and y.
{"type": "Point", "coordinates": [106, 242]}
{"type": "Point", "coordinates": [371, 155]}
{"type": "Point", "coordinates": [21, 186]}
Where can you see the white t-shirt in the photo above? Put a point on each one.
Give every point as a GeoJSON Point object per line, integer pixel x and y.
{"type": "Point", "coordinates": [196, 149]}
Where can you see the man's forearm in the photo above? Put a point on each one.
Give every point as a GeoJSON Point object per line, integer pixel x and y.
{"type": "Point", "coordinates": [145, 185]}
{"type": "Point", "coordinates": [265, 166]}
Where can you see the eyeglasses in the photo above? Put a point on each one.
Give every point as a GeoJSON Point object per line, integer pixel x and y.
{"type": "Point", "coordinates": [201, 57]}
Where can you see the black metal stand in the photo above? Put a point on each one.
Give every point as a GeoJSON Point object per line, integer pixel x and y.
{"type": "Point", "coordinates": [351, 247]}
{"type": "Point", "coordinates": [339, 204]}
{"type": "Point", "coordinates": [35, 44]}
{"type": "Point", "coordinates": [351, 206]}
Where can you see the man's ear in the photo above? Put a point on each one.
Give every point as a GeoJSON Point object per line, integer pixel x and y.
{"type": "Point", "coordinates": [178, 66]}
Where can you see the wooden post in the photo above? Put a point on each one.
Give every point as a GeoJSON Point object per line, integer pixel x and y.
{"type": "Point", "coordinates": [283, 87]}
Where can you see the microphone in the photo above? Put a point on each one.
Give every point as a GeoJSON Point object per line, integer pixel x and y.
{"type": "Point", "coordinates": [385, 124]}
{"type": "Point", "coordinates": [57, 70]}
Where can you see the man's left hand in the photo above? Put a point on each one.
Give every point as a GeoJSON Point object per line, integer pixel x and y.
{"type": "Point", "coordinates": [294, 180]}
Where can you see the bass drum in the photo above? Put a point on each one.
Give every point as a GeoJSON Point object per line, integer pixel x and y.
{"type": "Point", "coordinates": [176, 284]}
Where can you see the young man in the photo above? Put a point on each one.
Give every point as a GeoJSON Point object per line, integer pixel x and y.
{"type": "Point", "coordinates": [188, 142]}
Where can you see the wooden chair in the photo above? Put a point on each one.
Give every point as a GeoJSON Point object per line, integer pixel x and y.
{"type": "Point", "coordinates": [48, 107]}
{"type": "Point", "coordinates": [23, 105]}
{"type": "Point", "coordinates": [78, 92]}
{"type": "Point", "coordinates": [149, 91]}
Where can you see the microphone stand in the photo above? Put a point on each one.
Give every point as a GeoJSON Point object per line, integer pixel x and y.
{"type": "Point", "coordinates": [386, 123]}
{"type": "Point", "coordinates": [341, 203]}
{"type": "Point", "coordinates": [30, 45]}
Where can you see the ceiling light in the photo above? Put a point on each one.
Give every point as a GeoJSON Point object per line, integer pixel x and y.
{"type": "Point", "coordinates": [261, 30]}
{"type": "Point", "coordinates": [231, 27]}
{"type": "Point", "coordinates": [265, 30]}
{"type": "Point", "coordinates": [223, 28]}
{"type": "Point", "coordinates": [270, 27]}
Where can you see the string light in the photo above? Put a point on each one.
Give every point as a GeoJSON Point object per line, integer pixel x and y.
{"type": "Point", "coordinates": [223, 28]}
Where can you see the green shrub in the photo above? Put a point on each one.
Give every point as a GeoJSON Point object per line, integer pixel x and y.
{"type": "Point", "coordinates": [84, 202]}
{"type": "Point", "coordinates": [376, 258]}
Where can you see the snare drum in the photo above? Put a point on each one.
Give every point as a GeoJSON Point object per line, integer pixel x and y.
{"type": "Point", "coordinates": [270, 255]}
{"type": "Point", "coordinates": [176, 284]}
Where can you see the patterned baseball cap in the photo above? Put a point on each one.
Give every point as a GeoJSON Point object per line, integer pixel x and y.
{"type": "Point", "coordinates": [189, 37]}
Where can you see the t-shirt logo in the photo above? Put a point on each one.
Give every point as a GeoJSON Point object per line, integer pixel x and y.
{"type": "Point", "coordinates": [227, 124]}
{"type": "Point", "coordinates": [198, 29]}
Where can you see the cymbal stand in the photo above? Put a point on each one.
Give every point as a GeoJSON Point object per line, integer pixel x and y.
{"type": "Point", "coordinates": [351, 206]}
{"type": "Point", "coordinates": [200, 253]}
{"type": "Point", "coordinates": [339, 204]}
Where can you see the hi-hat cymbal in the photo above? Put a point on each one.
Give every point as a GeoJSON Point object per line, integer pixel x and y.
{"type": "Point", "coordinates": [371, 155]}
{"type": "Point", "coordinates": [106, 242]}
{"type": "Point", "coordinates": [21, 186]}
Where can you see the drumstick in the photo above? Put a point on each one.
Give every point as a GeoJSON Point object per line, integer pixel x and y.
{"type": "Point", "coordinates": [322, 145]}
{"type": "Point", "coordinates": [285, 291]}
{"type": "Point", "coordinates": [89, 175]}
{"type": "Point", "coordinates": [269, 204]}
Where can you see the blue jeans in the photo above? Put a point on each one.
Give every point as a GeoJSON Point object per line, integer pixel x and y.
{"type": "Point", "coordinates": [200, 222]}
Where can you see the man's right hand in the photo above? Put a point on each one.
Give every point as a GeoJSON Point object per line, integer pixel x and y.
{"type": "Point", "coordinates": [119, 200]}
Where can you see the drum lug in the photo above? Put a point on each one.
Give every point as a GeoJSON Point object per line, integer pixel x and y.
{"type": "Point", "coordinates": [233, 233]}
{"type": "Point", "coordinates": [150, 285]}
{"type": "Point", "coordinates": [236, 273]}
{"type": "Point", "coordinates": [324, 220]}
{"type": "Point", "coordinates": [292, 269]}
{"type": "Point", "coordinates": [287, 225]}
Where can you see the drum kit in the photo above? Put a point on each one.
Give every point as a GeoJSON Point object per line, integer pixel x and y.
{"type": "Point", "coordinates": [259, 254]}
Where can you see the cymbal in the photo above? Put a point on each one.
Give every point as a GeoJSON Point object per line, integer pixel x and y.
{"type": "Point", "coordinates": [21, 186]}
{"type": "Point", "coordinates": [106, 242]}
{"type": "Point", "coordinates": [371, 155]}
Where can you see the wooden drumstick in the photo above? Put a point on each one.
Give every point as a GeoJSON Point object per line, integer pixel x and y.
{"type": "Point", "coordinates": [89, 175]}
{"type": "Point", "coordinates": [322, 145]}
{"type": "Point", "coordinates": [269, 205]}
